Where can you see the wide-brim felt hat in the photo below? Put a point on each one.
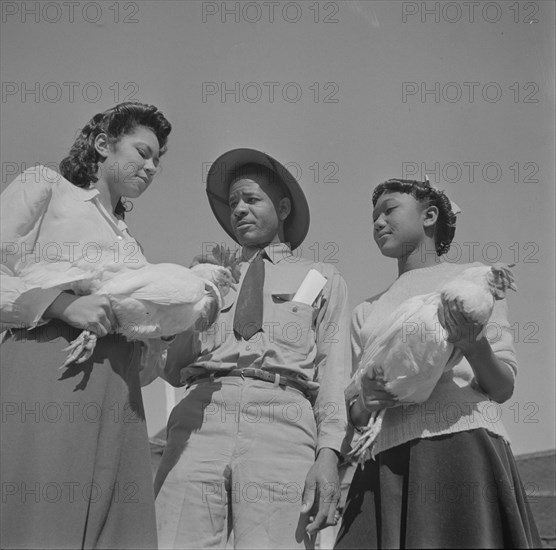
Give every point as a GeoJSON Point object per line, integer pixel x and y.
{"type": "Point", "coordinates": [228, 166]}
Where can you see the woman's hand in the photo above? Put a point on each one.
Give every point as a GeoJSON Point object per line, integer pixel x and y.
{"type": "Point", "coordinates": [463, 332]}
{"type": "Point", "coordinates": [494, 376]}
{"type": "Point", "coordinates": [373, 397]}
{"type": "Point", "coordinates": [93, 313]}
{"type": "Point", "coordinates": [374, 394]}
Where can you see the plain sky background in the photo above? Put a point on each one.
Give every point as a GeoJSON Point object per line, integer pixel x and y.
{"type": "Point", "coordinates": [347, 94]}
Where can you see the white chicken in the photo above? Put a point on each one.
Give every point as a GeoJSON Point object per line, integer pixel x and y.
{"type": "Point", "coordinates": [149, 301]}
{"type": "Point", "coordinates": [410, 350]}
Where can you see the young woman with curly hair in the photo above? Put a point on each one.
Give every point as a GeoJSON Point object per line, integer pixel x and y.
{"type": "Point", "coordinates": [444, 475]}
{"type": "Point", "coordinates": [75, 457]}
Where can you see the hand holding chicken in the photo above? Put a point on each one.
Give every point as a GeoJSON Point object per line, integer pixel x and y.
{"type": "Point", "coordinates": [409, 353]}
{"type": "Point", "coordinates": [158, 300]}
{"type": "Point", "coordinates": [148, 301]}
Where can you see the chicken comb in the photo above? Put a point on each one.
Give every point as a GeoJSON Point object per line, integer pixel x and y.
{"type": "Point", "coordinates": [224, 256]}
{"type": "Point", "coordinates": [502, 279]}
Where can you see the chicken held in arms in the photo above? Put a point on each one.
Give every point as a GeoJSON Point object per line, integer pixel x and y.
{"type": "Point", "coordinates": [149, 300]}
{"type": "Point", "coordinates": [412, 347]}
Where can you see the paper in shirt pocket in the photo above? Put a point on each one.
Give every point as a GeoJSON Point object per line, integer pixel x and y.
{"type": "Point", "coordinates": [311, 288]}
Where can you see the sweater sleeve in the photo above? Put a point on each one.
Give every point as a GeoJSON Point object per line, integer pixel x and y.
{"type": "Point", "coordinates": [357, 322]}
{"type": "Point", "coordinates": [500, 335]}
{"type": "Point", "coordinates": [352, 390]}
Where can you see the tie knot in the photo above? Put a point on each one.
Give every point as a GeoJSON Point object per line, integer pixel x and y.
{"type": "Point", "coordinates": [259, 256]}
{"type": "Point", "coordinates": [256, 255]}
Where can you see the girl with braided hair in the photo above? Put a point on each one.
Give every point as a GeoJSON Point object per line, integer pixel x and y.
{"type": "Point", "coordinates": [75, 454]}
{"type": "Point", "coordinates": [443, 475]}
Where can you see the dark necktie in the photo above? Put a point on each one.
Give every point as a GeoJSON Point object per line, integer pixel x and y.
{"type": "Point", "coordinates": [248, 318]}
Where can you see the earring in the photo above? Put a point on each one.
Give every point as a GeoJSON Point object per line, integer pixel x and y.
{"type": "Point", "coordinates": [126, 204]}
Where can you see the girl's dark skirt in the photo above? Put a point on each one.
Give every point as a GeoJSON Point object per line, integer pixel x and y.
{"type": "Point", "coordinates": [461, 490]}
{"type": "Point", "coordinates": [75, 465]}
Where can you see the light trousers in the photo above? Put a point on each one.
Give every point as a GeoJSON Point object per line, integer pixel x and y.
{"type": "Point", "coordinates": [237, 455]}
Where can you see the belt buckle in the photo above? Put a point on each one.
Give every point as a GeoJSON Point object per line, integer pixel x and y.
{"type": "Point", "coordinates": [241, 374]}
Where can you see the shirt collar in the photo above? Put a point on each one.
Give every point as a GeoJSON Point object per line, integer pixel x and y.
{"type": "Point", "coordinates": [81, 193]}
{"type": "Point", "coordinates": [274, 252]}
{"type": "Point", "coordinates": [92, 194]}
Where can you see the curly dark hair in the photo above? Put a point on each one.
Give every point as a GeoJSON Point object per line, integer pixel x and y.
{"type": "Point", "coordinates": [422, 191]}
{"type": "Point", "coordinates": [80, 167]}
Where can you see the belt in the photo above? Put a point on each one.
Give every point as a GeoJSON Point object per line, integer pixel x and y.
{"type": "Point", "coordinates": [251, 372]}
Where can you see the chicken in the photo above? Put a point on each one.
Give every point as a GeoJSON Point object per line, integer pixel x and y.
{"type": "Point", "coordinates": [149, 301]}
{"type": "Point", "coordinates": [410, 348]}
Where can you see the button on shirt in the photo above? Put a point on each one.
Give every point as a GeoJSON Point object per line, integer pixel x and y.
{"type": "Point", "coordinates": [302, 341]}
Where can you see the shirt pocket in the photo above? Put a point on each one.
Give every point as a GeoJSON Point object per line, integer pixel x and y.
{"type": "Point", "coordinates": [293, 325]}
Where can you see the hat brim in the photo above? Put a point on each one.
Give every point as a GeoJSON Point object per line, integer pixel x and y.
{"type": "Point", "coordinates": [221, 173]}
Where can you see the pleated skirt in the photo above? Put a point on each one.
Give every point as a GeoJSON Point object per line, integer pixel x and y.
{"type": "Point", "coordinates": [461, 490]}
{"type": "Point", "coordinates": [75, 465]}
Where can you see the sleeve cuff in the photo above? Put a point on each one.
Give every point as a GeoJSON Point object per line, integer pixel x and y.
{"type": "Point", "coordinates": [37, 301]}
{"type": "Point", "coordinates": [331, 441]}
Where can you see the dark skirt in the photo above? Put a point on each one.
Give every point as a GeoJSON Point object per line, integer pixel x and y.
{"type": "Point", "coordinates": [461, 490]}
{"type": "Point", "coordinates": [75, 462]}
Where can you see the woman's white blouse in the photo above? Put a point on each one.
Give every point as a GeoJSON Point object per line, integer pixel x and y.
{"type": "Point", "coordinates": [45, 218]}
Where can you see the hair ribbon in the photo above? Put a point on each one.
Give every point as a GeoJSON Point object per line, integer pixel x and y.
{"type": "Point", "coordinates": [455, 208]}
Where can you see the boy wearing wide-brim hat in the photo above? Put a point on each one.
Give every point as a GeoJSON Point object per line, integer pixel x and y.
{"type": "Point", "coordinates": [254, 444]}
